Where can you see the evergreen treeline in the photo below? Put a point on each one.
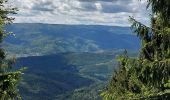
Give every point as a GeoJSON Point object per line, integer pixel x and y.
{"type": "Point", "coordinates": [147, 76]}
{"type": "Point", "coordinates": [8, 77]}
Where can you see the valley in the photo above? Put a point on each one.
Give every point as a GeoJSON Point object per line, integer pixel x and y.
{"type": "Point", "coordinates": [67, 62]}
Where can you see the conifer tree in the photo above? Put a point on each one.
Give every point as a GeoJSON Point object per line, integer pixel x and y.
{"type": "Point", "coordinates": [148, 75]}
{"type": "Point", "coordinates": [8, 77]}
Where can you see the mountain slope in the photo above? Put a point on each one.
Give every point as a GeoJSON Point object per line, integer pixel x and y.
{"type": "Point", "coordinates": [67, 62]}
{"type": "Point", "coordinates": [58, 76]}
{"type": "Point", "coordinates": [37, 39]}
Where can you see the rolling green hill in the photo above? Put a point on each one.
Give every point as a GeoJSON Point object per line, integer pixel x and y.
{"type": "Point", "coordinates": [67, 62]}
{"type": "Point", "coordinates": [46, 39]}
{"type": "Point", "coordinates": [67, 76]}
{"type": "Point", "coordinates": [59, 75]}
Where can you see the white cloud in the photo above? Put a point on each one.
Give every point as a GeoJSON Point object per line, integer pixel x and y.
{"type": "Point", "coordinates": [105, 12]}
{"type": "Point", "coordinates": [98, 6]}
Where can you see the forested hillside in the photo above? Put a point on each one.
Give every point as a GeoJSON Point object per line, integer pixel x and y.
{"type": "Point", "coordinates": [45, 39]}
{"type": "Point", "coordinates": [67, 62]}
{"type": "Point", "coordinates": [67, 76]}
{"type": "Point", "coordinates": [71, 76]}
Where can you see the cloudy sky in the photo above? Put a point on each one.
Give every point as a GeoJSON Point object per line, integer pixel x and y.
{"type": "Point", "coordinates": [102, 12]}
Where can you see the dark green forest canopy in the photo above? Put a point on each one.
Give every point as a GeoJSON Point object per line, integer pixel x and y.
{"type": "Point", "coordinates": [147, 76]}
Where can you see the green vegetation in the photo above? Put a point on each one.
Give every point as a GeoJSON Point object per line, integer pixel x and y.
{"type": "Point", "coordinates": [62, 75]}
{"type": "Point", "coordinates": [69, 61]}
{"type": "Point", "coordinates": [46, 39]}
{"type": "Point", "coordinates": [8, 77]}
{"type": "Point", "coordinates": [67, 76]}
{"type": "Point", "coordinates": [147, 76]}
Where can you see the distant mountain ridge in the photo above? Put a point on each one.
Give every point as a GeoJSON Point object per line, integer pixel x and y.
{"type": "Point", "coordinates": [74, 61]}
{"type": "Point", "coordinates": [38, 39]}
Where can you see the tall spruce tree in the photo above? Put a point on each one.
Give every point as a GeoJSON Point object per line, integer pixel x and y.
{"type": "Point", "coordinates": [147, 76]}
{"type": "Point", "coordinates": [8, 77]}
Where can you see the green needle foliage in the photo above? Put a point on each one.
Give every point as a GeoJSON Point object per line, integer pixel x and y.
{"type": "Point", "coordinates": [8, 77]}
{"type": "Point", "coordinates": [147, 76]}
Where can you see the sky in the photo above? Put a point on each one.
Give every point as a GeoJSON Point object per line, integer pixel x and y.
{"type": "Point", "coordinates": [89, 12]}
